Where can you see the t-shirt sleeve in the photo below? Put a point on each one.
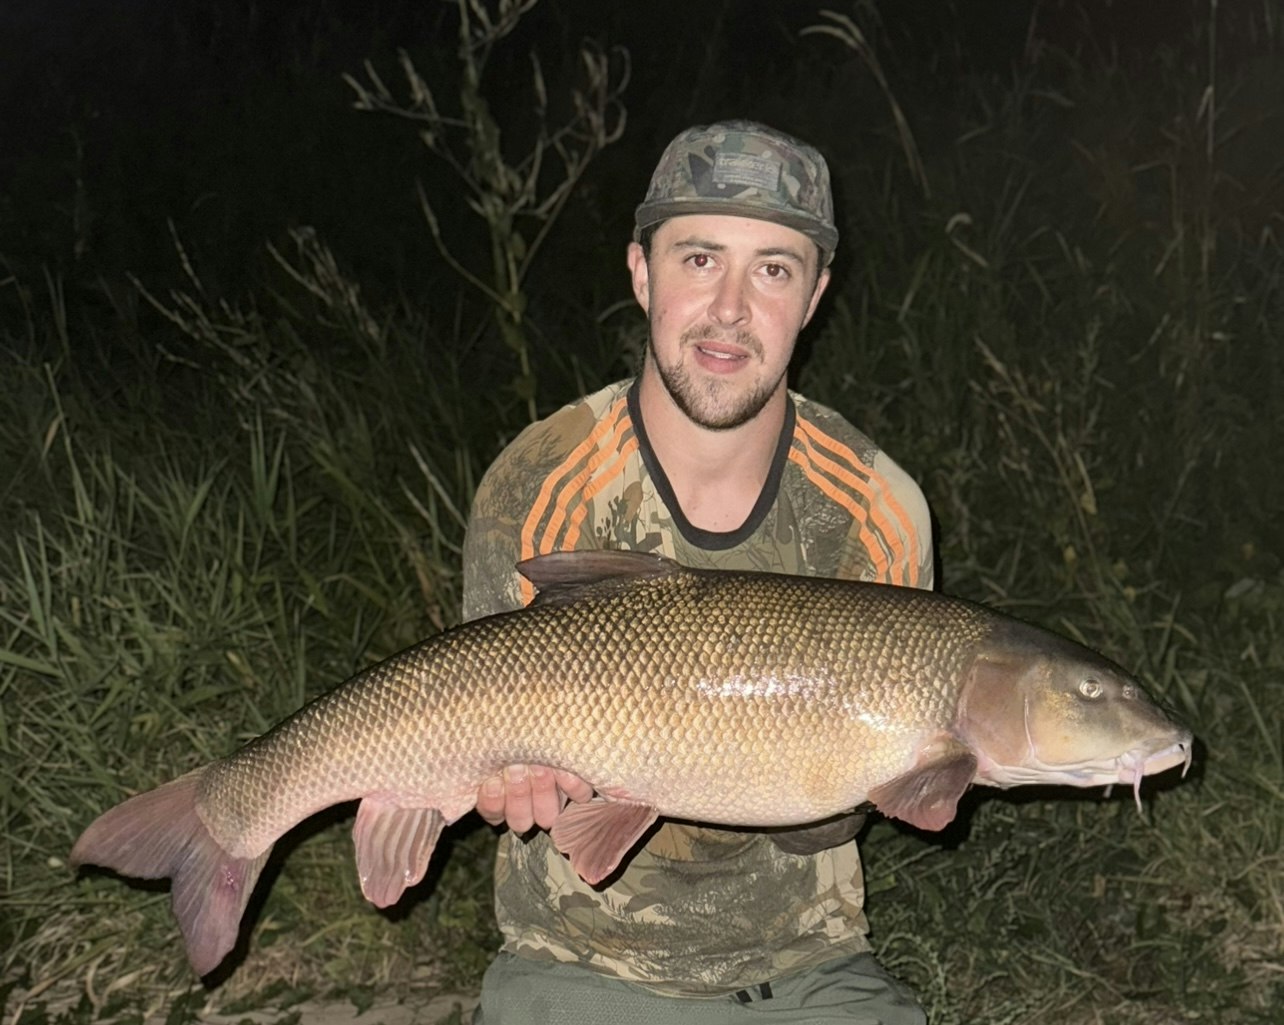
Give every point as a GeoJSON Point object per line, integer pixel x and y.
{"type": "Point", "coordinates": [915, 518]}
{"type": "Point", "coordinates": [492, 543]}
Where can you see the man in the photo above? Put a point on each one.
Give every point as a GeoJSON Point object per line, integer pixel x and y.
{"type": "Point", "coordinates": [706, 458]}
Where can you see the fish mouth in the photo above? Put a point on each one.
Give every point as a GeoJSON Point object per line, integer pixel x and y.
{"type": "Point", "coordinates": [1137, 763]}
{"type": "Point", "coordinates": [1128, 768]}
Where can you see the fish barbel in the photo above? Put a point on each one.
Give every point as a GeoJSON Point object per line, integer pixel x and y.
{"type": "Point", "coordinates": [734, 698]}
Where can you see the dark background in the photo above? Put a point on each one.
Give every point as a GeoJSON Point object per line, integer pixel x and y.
{"type": "Point", "coordinates": [230, 118]}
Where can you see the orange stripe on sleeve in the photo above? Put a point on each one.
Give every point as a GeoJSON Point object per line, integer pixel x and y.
{"type": "Point", "coordinates": [624, 451]}
{"type": "Point", "coordinates": [565, 487]}
{"type": "Point", "coordinates": [903, 527]}
{"type": "Point", "coordinates": [806, 460]}
{"type": "Point", "coordinates": [578, 489]}
{"type": "Point", "coordinates": [881, 537]}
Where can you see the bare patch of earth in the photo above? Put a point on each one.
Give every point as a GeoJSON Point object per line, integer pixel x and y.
{"type": "Point", "coordinates": [415, 1009]}
{"type": "Point", "coordinates": [448, 1009]}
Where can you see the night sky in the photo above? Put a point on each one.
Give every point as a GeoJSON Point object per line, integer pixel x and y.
{"type": "Point", "coordinates": [229, 117]}
{"type": "Point", "coordinates": [227, 123]}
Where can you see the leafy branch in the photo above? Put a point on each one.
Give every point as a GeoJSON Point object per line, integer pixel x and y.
{"type": "Point", "coordinates": [520, 198]}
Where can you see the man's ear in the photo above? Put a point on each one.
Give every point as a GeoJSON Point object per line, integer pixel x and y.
{"type": "Point", "coordinates": [822, 282]}
{"type": "Point", "coordinates": [641, 276]}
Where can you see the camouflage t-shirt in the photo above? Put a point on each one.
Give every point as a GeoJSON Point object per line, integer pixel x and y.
{"type": "Point", "coordinates": [697, 910]}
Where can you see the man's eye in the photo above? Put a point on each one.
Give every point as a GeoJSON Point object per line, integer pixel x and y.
{"type": "Point", "coordinates": [777, 271]}
{"type": "Point", "coordinates": [700, 260]}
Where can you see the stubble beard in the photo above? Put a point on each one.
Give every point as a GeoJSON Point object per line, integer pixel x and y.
{"type": "Point", "coordinates": [713, 404]}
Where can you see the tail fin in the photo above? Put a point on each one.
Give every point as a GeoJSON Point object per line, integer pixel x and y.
{"type": "Point", "coordinates": [159, 834]}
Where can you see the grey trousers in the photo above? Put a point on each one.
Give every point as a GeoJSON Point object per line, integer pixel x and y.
{"type": "Point", "coordinates": [849, 991]}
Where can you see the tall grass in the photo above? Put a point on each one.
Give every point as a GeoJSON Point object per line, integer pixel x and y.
{"type": "Point", "coordinates": [1091, 401]}
{"type": "Point", "coordinates": [166, 599]}
{"type": "Point", "coordinates": [217, 507]}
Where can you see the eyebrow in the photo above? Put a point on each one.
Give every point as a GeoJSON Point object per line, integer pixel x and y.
{"type": "Point", "coordinates": [696, 242]}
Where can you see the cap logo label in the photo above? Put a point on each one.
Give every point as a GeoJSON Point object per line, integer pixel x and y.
{"type": "Point", "coordinates": [745, 169]}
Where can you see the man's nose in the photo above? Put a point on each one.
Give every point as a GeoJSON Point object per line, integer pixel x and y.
{"type": "Point", "coordinates": [730, 304]}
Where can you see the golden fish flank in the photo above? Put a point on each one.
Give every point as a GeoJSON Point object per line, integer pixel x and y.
{"type": "Point", "coordinates": [814, 695]}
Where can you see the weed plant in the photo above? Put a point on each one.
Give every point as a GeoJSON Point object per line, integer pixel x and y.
{"type": "Point", "coordinates": [1065, 324]}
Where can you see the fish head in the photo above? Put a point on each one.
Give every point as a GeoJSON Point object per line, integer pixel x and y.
{"type": "Point", "coordinates": [1039, 708]}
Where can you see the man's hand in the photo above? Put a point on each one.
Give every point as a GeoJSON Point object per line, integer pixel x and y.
{"type": "Point", "coordinates": [529, 795]}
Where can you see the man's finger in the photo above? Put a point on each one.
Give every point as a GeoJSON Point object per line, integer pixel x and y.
{"type": "Point", "coordinates": [517, 798]}
{"type": "Point", "coordinates": [573, 787]}
{"type": "Point", "coordinates": [546, 799]}
{"type": "Point", "coordinates": [490, 800]}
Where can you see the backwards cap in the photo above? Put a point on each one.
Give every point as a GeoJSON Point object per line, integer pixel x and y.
{"type": "Point", "coordinates": [747, 169]}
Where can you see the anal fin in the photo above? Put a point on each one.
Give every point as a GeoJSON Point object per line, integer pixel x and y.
{"type": "Point", "coordinates": [597, 835]}
{"type": "Point", "coordinates": [928, 795]}
{"type": "Point", "coordinates": [394, 845]}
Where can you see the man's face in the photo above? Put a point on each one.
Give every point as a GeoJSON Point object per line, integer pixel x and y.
{"type": "Point", "coordinates": [726, 298]}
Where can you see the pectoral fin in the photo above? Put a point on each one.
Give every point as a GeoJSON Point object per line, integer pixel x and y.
{"type": "Point", "coordinates": [394, 845]}
{"type": "Point", "coordinates": [598, 834]}
{"type": "Point", "coordinates": [928, 795]}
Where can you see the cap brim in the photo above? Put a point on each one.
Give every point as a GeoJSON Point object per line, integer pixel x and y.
{"type": "Point", "coordinates": [653, 213]}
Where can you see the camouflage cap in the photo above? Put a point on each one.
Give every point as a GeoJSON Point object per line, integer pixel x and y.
{"type": "Point", "coordinates": [744, 168]}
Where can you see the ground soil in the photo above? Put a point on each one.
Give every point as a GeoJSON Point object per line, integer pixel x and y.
{"type": "Point", "coordinates": [439, 1010]}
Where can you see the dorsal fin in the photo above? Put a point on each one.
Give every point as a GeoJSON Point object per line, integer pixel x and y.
{"type": "Point", "coordinates": [564, 576]}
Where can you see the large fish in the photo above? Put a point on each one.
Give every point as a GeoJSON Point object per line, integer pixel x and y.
{"type": "Point", "coordinates": [747, 699]}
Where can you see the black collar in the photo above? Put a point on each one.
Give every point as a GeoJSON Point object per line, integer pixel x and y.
{"type": "Point", "coordinates": [714, 540]}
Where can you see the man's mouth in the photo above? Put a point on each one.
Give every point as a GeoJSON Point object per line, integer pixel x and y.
{"type": "Point", "coordinates": [719, 353]}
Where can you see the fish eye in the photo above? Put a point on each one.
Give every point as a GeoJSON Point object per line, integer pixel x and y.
{"type": "Point", "coordinates": [1090, 687]}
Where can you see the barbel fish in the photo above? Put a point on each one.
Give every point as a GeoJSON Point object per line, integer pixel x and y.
{"type": "Point", "coordinates": [749, 699]}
